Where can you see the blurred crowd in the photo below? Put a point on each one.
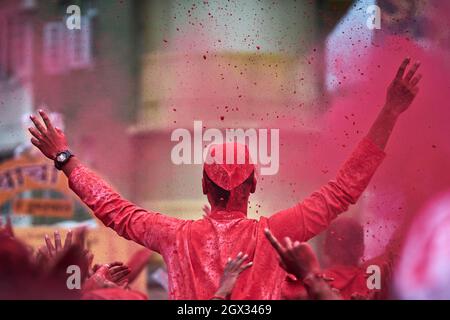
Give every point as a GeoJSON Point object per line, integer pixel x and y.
{"type": "Point", "coordinates": [64, 269]}
{"type": "Point", "coordinates": [414, 265]}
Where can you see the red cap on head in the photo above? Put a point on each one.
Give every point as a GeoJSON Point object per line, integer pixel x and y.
{"type": "Point", "coordinates": [228, 165]}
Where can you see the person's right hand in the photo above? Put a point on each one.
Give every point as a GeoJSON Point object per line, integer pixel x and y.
{"type": "Point", "coordinates": [403, 89]}
{"type": "Point", "coordinates": [48, 139]}
{"type": "Point", "coordinates": [296, 258]}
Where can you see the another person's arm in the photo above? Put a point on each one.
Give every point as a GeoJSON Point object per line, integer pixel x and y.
{"type": "Point", "coordinates": [150, 229]}
{"type": "Point", "coordinates": [314, 214]}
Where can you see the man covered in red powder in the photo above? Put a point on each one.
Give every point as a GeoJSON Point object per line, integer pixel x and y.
{"type": "Point", "coordinates": [196, 251]}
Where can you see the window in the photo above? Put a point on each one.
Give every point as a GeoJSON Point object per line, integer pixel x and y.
{"type": "Point", "coordinates": [16, 46]}
{"type": "Point", "coordinates": [80, 45]}
{"type": "Point", "coordinates": [65, 49]}
{"type": "Point", "coordinates": [53, 37]}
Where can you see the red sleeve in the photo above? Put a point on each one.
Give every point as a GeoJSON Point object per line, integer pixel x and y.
{"type": "Point", "coordinates": [314, 214]}
{"type": "Point", "coordinates": [150, 229]}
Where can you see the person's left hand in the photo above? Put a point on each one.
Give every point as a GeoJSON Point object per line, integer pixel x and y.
{"type": "Point", "coordinates": [48, 139]}
{"type": "Point", "coordinates": [233, 269]}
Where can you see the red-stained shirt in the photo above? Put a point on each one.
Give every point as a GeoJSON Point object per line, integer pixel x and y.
{"type": "Point", "coordinates": [196, 251]}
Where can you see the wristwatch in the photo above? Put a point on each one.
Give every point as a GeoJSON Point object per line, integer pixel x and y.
{"type": "Point", "coordinates": [62, 158]}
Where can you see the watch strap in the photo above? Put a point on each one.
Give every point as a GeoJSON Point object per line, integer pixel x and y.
{"type": "Point", "coordinates": [60, 164]}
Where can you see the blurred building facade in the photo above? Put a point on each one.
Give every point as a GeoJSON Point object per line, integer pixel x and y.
{"type": "Point", "coordinates": [87, 75]}
{"type": "Point", "coordinates": [238, 64]}
{"type": "Point", "coordinates": [137, 70]}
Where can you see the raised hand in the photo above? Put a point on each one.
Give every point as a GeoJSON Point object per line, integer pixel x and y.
{"type": "Point", "coordinates": [295, 257]}
{"type": "Point", "coordinates": [404, 88]}
{"type": "Point", "coordinates": [232, 270]}
{"type": "Point", "coordinates": [48, 139]}
{"type": "Point", "coordinates": [50, 250]}
{"type": "Point", "coordinates": [400, 95]}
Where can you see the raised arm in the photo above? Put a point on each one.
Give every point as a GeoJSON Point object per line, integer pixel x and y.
{"type": "Point", "coordinates": [401, 93]}
{"type": "Point", "coordinates": [314, 214]}
{"type": "Point", "coordinates": [150, 229]}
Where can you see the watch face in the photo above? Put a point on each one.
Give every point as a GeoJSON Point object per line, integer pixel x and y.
{"type": "Point", "coordinates": [61, 157]}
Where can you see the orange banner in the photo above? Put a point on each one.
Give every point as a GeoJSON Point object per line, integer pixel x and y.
{"type": "Point", "coordinates": [44, 207]}
{"type": "Point", "coordinates": [31, 185]}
